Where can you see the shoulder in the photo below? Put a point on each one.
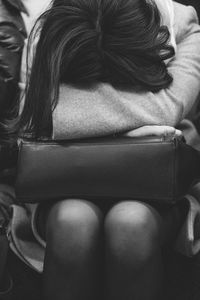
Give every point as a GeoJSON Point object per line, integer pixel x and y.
{"type": "Point", "coordinates": [184, 12]}
{"type": "Point", "coordinates": [185, 18]}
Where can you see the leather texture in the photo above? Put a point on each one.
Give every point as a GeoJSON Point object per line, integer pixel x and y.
{"type": "Point", "coordinates": [12, 35]}
{"type": "Point", "coordinates": [119, 168]}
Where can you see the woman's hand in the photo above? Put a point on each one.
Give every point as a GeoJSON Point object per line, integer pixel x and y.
{"type": "Point", "coordinates": [154, 130]}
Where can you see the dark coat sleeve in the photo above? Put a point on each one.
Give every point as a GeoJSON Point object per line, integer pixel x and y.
{"type": "Point", "coordinates": [12, 35]}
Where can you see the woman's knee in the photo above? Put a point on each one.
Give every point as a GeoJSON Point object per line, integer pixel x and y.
{"type": "Point", "coordinates": [132, 232]}
{"type": "Point", "coordinates": [72, 229]}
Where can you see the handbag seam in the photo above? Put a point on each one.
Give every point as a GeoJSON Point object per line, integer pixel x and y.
{"type": "Point", "coordinates": [31, 199]}
{"type": "Point", "coordinates": [95, 144]}
{"type": "Point", "coordinates": [173, 169]}
{"type": "Point", "coordinates": [19, 159]}
{"type": "Point", "coordinates": [94, 141]}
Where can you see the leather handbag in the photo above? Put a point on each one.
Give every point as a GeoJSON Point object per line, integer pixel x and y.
{"type": "Point", "coordinates": [151, 168]}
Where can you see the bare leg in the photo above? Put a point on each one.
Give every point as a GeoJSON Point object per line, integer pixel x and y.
{"type": "Point", "coordinates": [134, 234]}
{"type": "Point", "coordinates": [73, 255]}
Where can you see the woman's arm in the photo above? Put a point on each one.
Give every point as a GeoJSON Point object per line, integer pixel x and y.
{"type": "Point", "coordinates": [104, 110]}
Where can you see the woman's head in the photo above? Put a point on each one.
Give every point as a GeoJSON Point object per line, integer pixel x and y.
{"type": "Point", "coordinates": [84, 42]}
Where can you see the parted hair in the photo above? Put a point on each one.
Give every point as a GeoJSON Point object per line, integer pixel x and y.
{"type": "Point", "coordinates": [84, 42]}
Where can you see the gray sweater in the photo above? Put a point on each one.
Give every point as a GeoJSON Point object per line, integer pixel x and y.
{"type": "Point", "coordinates": [103, 110]}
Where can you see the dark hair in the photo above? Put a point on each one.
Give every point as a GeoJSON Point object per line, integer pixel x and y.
{"type": "Point", "coordinates": [84, 42]}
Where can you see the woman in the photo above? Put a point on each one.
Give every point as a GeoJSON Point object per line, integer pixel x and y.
{"type": "Point", "coordinates": [99, 68]}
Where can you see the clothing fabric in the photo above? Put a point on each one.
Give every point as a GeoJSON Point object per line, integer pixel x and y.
{"type": "Point", "coordinates": [33, 10]}
{"type": "Point", "coordinates": [188, 241]}
{"type": "Point", "coordinates": [103, 110]}
{"type": "Point", "coordinates": [12, 35]}
{"type": "Point", "coordinates": [24, 241]}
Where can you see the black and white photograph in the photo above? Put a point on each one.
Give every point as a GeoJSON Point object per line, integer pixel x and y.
{"type": "Point", "coordinates": [99, 150]}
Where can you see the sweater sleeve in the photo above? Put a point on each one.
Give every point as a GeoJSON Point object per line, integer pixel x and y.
{"type": "Point", "coordinates": [104, 110]}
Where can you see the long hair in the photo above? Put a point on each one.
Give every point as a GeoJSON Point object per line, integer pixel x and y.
{"type": "Point", "coordinates": [83, 42]}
